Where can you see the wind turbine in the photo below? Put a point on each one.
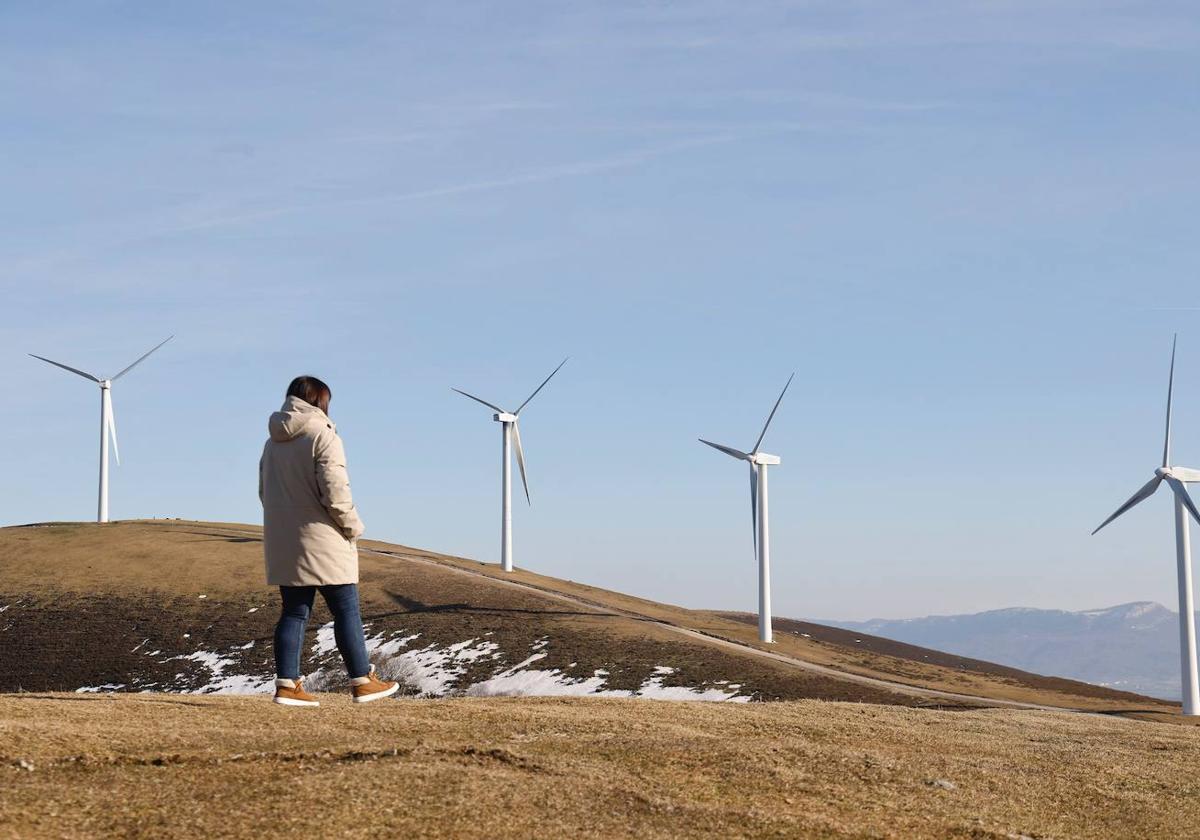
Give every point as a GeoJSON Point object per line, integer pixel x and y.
{"type": "Point", "coordinates": [511, 435]}
{"type": "Point", "coordinates": [1176, 478]}
{"type": "Point", "coordinates": [108, 426]}
{"type": "Point", "coordinates": [759, 461]}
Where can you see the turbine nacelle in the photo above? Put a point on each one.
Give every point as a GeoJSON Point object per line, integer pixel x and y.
{"type": "Point", "coordinates": [504, 417]}
{"type": "Point", "coordinates": [762, 459]}
{"type": "Point", "coordinates": [1185, 474]}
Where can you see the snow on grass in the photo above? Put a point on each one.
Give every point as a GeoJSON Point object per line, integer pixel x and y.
{"type": "Point", "coordinates": [431, 670]}
{"type": "Point", "coordinates": [521, 681]}
{"type": "Point", "coordinates": [95, 689]}
{"type": "Point", "coordinates": [538, 683]}
{"type": "Point", "coordinates": [222, 683]}
{"type": "Point", "coordinates": [434, 671]}
{"type": "Point", "coordinates": [325, 642]}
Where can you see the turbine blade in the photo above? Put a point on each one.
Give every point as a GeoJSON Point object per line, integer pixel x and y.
{"type": "Point", "coordinates": [112, 428]}
{"type": "Point", "coordinates": [766, 425]}
{"type": "Point", "coordinates": [1146, 491]}
{"type": "Point", "coordinates": [521, 461]}
{"type": "Point", "coordinates": [1170, 388]}
{"type": "Point", "coordinates": [1183, 495]}
{"type": "Point", "coordinates": [754, 504]}
{"type": "Point", "coordinates": [543, 385]}
{"type": "Point", "coordinates": [728, 450]}
{"type": "Point", "coordinates": [485, 402]}
{"type": "Point", "coordinates": [142, 358]}
{"type": "Point", "coordinates": [65, 367]}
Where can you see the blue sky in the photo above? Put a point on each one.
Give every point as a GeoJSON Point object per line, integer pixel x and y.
{"type": "Point", "coordinates": [969, 228]}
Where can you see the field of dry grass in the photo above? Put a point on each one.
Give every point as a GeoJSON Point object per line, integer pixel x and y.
{"type": "Point", "coordinates": [176, 766]}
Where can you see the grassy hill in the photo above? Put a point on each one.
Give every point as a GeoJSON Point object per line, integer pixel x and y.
{"type": "Point", "coordinates": [181, 606]}
{"type": "Point", "coordinates": [184, 766]}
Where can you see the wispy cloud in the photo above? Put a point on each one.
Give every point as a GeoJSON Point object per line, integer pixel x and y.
{"type": "Point", "coordinates": [233, 219]}
{"type": "Point", "coordinates": [552, 173]}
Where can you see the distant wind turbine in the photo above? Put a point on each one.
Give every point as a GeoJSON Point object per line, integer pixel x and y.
{"type": "Point", "coordinates": [1176, 478]}
{"type": "Point", "coordinates": [511, 434]}
{"type": "Point", "coordinates": [108, 426]}
{"type": "Point", "coordinates": [759, 461]}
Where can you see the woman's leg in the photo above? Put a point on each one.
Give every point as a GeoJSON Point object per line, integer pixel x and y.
{"type": "Point", "coordinates": [289, 631]}
{"type": "Point", "coordinates": [347, 627]}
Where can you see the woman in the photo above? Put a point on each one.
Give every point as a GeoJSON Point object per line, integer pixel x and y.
{"type": "Point", "coordinates": [310, 534]}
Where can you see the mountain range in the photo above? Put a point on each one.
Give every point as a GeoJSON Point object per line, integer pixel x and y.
{"type": "Point", "coordinates": [1132, 647]}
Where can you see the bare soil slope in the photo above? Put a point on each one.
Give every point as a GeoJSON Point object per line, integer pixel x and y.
{"type": "Point", "coordinates": [180, 606]}
{"type": "Point", "coordinates": [174, 766]}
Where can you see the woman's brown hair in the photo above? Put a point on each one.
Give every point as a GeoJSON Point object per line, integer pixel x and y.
{"type": "Point", "coordinates": [312, 390]}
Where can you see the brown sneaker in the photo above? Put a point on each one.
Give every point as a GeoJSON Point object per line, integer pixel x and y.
{"type": "Point", "coordinates": [370, 688]}
{"type": "Point", "coordinates": [292, 693]}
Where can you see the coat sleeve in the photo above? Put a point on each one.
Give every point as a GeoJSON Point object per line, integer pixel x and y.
{"type": "Point", "coordinates": [333, 484]}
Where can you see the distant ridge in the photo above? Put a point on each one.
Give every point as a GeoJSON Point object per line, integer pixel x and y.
{"type": "Point", "coordinates": [1132, 647]}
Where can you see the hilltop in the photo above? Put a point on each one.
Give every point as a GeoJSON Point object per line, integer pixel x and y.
{"type": "Point", "coordinates": [180, 606]}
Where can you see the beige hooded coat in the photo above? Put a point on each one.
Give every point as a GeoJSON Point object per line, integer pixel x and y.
{"type": "Point", "coordinates": [309, 522]}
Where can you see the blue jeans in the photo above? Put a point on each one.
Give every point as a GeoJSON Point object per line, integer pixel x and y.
{"type": "Point", "coordinates": [342, 600]}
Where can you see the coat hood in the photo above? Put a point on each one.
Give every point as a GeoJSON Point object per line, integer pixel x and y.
{"type": "Point", "coordinates": [294, 418]}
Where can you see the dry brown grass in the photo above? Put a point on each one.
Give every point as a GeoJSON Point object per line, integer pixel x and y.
{"type": "Point", "coordinates": [171, 766]}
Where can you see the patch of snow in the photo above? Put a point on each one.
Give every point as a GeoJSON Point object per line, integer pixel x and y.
{"type": "Point", "coordinates": [536, 683]}
{"type": "Point", "coordinates": [6, 606]}
{"type": "Point", "coordinates": [252, 609]}
{"type": "Point", "coordinates": [201, 596]}
{"type": "Point", "coordinates": [432, 670]}
{"type": "Point", "coordinates": [385, 648]}
{"type": "Point", "coordinates": [93, 689]}
{"type": "Point", "coordinates": [653, 689]}
{"type": "Point", "coordinates": [139, 644]}
{"type": "Point", "coordinates": [325, 642]}
{"type": "Point", "coordinates": [529, 660]}
{"type": "Point", "coordinates": [517, 682]}
{"type": "Point", "coordinates": [221, 683]}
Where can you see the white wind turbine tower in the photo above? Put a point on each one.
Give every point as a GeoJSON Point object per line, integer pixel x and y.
{"type": "Point", "coordinates": [759, 461]}
{"type": "Point", "coordinates": [511, 435]}
{"type": "Point", "coordinates": [1176, 478]}
{"type": "Point", "coordinates": [108, 426]}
